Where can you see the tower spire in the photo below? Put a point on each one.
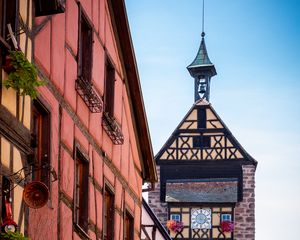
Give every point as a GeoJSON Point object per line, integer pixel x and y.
{"type": "Point", "coordinates": [202, 69]}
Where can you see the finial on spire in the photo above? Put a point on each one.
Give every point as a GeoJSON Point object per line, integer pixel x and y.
{"type": "Point", "coordinates": [203, 33]}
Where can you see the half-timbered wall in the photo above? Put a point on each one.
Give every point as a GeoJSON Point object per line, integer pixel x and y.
{"type": "Point", "coordinates": [152, 229]}
{"type": "Point", "coordinates": [15, 110]}
{"type": "Point", "coordinates": [185, 214]}
{"type": "Point", "coordinates": [77, 124]}
{"type": "Point", "coordinates": [67, 48]}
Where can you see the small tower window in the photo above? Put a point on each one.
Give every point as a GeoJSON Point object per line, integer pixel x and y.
{"type": "Point", "coordinates": [201, 142]}
{"type": "Point", "coordinates": [175, 217]}
{"type": "Point", "coordinates": [201, 118]}
{"type": "Point", "coordinates": [225, 217]}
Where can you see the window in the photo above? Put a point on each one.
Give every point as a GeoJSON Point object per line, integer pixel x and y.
{"type": "Point", "coordinates": [201, 142]}
{"type": "Point", "coordinates": [225, 217]}
{"type": "Point", "coordinates": [108, 223]}
{"type": "Point", "coordinates": [81, 191]}
{"type": "Point", "coordinates": [129, 226]}
{"type": "Point", "coordinates": [8, 14]}
{"type": "Point", "coordinates": [85, 45]}
{"type": "Point", "coordinates": [109, 89]}
{"type": "Point", "coordinates": [83, 83]}
{"type": "Point", "coordinates": [175, 217]}
{"type": "Point", "coordinates": [41, 142]}
{"type": "Point", "coordinates": [201, 117]}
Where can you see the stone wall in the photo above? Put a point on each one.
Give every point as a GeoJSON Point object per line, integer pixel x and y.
{"type": "Point", "coordinates": [245, 210]}
{"type": "Point", "coordinates": [160, 209]}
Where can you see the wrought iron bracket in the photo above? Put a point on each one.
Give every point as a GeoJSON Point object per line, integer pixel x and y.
{"type": "Point", "coordinates": [112, 129]}
{"type": "Point", "coordinates": [22, 174]}
{"type": "Point", "coordinates": [89, 95]}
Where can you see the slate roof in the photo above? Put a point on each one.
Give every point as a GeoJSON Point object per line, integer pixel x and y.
{"type": "Point", "coordinates": [201, 57]}
{"type": "Point", "coordinates": [202, 190]}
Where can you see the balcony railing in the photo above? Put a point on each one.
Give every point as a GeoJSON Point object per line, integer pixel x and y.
{"type": "Point", "coordinates": [89, 95]}
{"type": "Point", "coordinates": [112, 129]}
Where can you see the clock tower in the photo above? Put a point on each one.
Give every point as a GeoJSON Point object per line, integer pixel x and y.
{"type": "Point", "coordinates": [206, 178]}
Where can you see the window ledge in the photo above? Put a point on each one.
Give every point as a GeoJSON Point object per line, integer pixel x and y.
{"type": "Point", "coordinates": [89, 95]}
{"type": "Point", "coordinates": [112, 128]}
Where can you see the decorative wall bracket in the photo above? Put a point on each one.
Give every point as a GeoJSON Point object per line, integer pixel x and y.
{"type": "Point", "coordinates": [89, 95]}
{"type": "Point", "coordinates": [113, 129]}
{"type": "Point", "coordinates": [22, 174]}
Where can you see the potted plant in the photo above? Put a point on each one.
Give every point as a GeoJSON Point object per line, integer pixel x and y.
{"type": "Point", "coordinates": [22, 74]}
{"type": "Point", "coordinates": [13, 235]}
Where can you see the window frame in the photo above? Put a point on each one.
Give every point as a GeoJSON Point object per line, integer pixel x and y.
{"type": "Point", "coordinates": [42, 142]}
{"type": "Point", "coordinates": [128, 225]}
{"type": "Point", "coordinates": [173, 216]}
{"type": "Point", "coordinates": [108, 191]}
{"type": "Point", "coordinates": [109, 87]}
{"type": "Point", "coordinates": [81, 191]}
{"type": "Point", "coordinates": [84, 58]}
{"type": "Point", "coordinates": [202, 141]}
{"type": "Point", "coordinates": [226, 217]}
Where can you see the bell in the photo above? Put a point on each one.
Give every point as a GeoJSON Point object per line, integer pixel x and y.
{"type": "Point", "coordinates": [35, 194]}
{"type": "Point", "coordinates": [202, 89]}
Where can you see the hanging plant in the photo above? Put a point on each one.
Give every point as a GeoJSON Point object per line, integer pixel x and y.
{"type": "Point", "coordinates": [175, 226]}
{"type": "Point", "coordinates": [22, 75]}
{"type": "Point", "coordinates": [13, 235]}
{"type": "Point", "coordinates": [227, 226]}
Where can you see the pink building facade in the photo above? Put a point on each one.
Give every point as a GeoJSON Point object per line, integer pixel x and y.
{"type": "Point", "coordinates": [88, 123]}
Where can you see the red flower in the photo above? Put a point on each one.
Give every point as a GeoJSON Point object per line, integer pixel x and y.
{"type": "Point", "coordinates": [227, 226]}
{"type": "Point", "coordinates": [175, 226]}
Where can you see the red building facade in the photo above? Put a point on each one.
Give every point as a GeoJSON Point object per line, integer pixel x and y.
{"type": "Point", "coordinates": [88, 122]}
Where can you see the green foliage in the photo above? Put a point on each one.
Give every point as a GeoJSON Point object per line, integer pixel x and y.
{"type": "Point", "coordinates": [24, 76]}
{"type": "Point", "coordinates": [13, 235]}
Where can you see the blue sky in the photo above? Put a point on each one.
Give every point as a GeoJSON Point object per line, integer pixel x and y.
{"type": "Point", "coordinates": [255, 46]}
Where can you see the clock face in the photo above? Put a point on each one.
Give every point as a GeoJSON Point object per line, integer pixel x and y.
{"type": "Point", "coordinates": [201, 218]}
